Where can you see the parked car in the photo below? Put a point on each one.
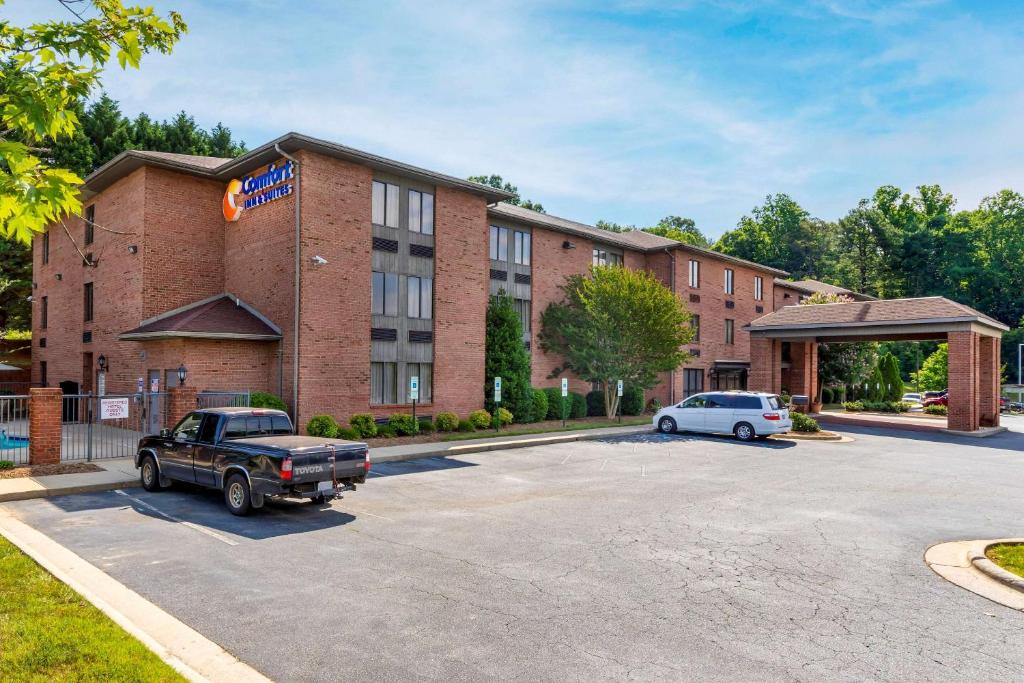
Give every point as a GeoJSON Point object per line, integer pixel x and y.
{"type": "Point", "coordinates": [911, 397]}
{"type": "Point", "coordinates": [942, 400]}
{"type": "Point", "coordinates": [250, 454]}
{"type": "Point", "coordinates": [935, 394]}
{"type": "Point", "coordinates": [746, 414]}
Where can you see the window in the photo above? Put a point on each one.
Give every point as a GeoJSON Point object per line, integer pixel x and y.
{"type": "Point", "coordinates": [758, 288]}
{"type": "Point", "coordinates": [425, 371]}
{"type": "Point", "coordinates": [188, 428]}
{"type": "Point", "coordinates": [603, 257]}
{"type": "Point", "coordinates": [44, 314]}
{"type": "Point", "coordinates": [90, 217]}
{"type": "Point", "coordinates": [728, 331]}
{"type": "Point", "coordinates": [87, 302]}
{"type": "Point", "coordinates": [385, 204]}
{"type": "Point", "coordinates": [385, 293]}
{"type": "Point", "coordinates": [421, 212]}
{"type": "Point", "coordinates": [421, 296]}
{"type": "Point", "coordinates": [42, 372]}
{"type": "Point", "coordinates": [695, 324]}
{"type": "Point", "coordinates": [499, 243]}
{"type": "Point", "coordinates": [729, 281]}
{"type": "Point", "coordinates": [383, 383]}
{"type": "Point", "coordinates": [694, 273]}
{"type": "Point", "coordinates": [695, 402]}
{"type": "Point", "coordinates": [46, 247]}
{"type": "Point", "coordinates": [208, 432]}
{"type": "Point", "coordinates": [521, 255]}
{"type": "Point", "coordinates": [693, 381]}
{"type": "Point", "coordinates": [523, 309]}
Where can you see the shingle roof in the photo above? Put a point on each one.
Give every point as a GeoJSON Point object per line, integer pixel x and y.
{"type": "Point", "coordinates": [881, 311]}
{"type": "Point", "coordinates": [220, 317]}
{"type": "Point", "coordinates": [809, 286]}
{"type": "Point", "coordinates": [632, 239]}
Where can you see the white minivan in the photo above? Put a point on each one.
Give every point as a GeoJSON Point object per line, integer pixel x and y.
{"type": "Point", "coordinates": [747, 414]}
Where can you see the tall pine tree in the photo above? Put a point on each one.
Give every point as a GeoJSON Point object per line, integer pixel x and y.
{"type": "Point", "coordinates": [506, 357]}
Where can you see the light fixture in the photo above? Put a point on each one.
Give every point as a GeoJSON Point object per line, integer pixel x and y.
{"type": "Point", "coordinates": [102, 362]}
{"type": "Point", "coordinates": [182, 374]}
{"type": "Point", "coordinates": [319, 260]}
{"type": "Point", "coordinates": [59, 276]}
{"type": "Point", "coordinates": [133, 249]}
{"type": "Point", "coordinates": [568, 245]}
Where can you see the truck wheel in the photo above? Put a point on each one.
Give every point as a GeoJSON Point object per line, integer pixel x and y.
{"type": "Point", "coordinates": [149, 474]}
{"type": "Point", "coordinates": [236, 494]}
{"type": "Point", "coordinates": [318, 500]}
{"type": "Point", "coordinates": [744, 432]}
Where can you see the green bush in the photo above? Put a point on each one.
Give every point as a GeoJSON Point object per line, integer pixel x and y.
{"type": "Point", "coordinates": [348, 434]}
{"type": "Point", "coordinates": [504, 417]}
{"type": "Point", "coordinates": [936, 410]}
{"type": "Point", "coordinates": [403, 424]}
{"type": "Point", "coordinates": [322, 425]}
{"type": "Point", "coordinates": [653, 406]}
{"type": "Point", "coordinates": [6, 464]}
{"type": "Point", "coordinates": [261, 399]}
{"type": "Point", "coordinates": [802, 423]}
{"type": "Point", "coordinates": [466, 426]}
{"type": "Point", "coordinates": [785, 398]}
{"type": "Point", "coordinates": [554, 396]}
{"type": "Point", "coordinates": [595, 403]}
{"type": "Point", "coordinates": [481, 419]}
{"type": "Point", "coordinates": [578, 407]}
{"type": "Point", "coordinates": [364, 425]}
{"type": "Point", "coordinates": [632, 400]}
{"type": "Point", "coordinates": [386, 432]}
{"type": "Point", "coordinates": [852, 406]}
{"type": "Point", "coordinates": [427, 427]}
{"type": "Point", "coordinates": [882, 406]}
{"type": "Point", "coordinates": [540, 405]}
{"type": "Point", "coordinates": [446, 422]}
{"type": "Point", "coordinates": [826, 395]}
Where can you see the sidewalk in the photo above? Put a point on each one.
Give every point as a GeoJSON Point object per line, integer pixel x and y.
{"type": "Point", "coordinates": [904, 421]}
{"type": "Point", "coordinates": [121, 473]}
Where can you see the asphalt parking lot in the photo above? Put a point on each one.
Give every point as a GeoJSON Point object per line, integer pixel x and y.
{"type": "Point", "coordinates": [648, 557]}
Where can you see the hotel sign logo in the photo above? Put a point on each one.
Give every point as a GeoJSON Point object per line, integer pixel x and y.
{"type": "Point", "coordinates": [256, 190]}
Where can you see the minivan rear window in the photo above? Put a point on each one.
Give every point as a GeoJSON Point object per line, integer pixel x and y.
{"type": "Point", "coordinates": [748, 402]}
{"type": "Point", "coordinates": [775, 403]}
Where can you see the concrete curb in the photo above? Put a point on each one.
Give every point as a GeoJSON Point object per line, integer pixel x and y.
{"type": "Point", "coordinates": [185, 650]}
{"type": "Point", "coordinates": [67, 490]}
{"type": "Point", "coordinates": [964, 564]}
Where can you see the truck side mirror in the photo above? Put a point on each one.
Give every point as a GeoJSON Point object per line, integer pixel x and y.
{"type": "Point", "coordinates": [165, 433]}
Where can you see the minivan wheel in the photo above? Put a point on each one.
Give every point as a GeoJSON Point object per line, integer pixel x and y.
{"type": "Point", "coordinates": [149, 474]}
{"type": "Point", "coordinates": [744, 432]}
{"type": "Point", "coordinates": [666, 425]}
{"type": "Point", "coordinates": [236, 495]}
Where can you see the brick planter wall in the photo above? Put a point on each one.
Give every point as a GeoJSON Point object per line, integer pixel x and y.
{"type": "Point", "coordinates": [181, 400]}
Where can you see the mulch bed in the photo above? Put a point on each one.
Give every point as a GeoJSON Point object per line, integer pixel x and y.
{"type": "Point", "coordinates": [809, 436]}
{"type": "Point", "coordinates": [44, 470]}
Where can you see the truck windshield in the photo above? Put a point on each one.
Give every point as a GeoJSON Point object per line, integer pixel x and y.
{"type": "Point", "coordinates": [242, 426]}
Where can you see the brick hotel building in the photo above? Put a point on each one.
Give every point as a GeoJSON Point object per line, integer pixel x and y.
{"type": "Point", "coordinates": [329, 276]}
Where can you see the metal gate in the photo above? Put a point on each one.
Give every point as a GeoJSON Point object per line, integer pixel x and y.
{"type": "Point", "coordinates": [110, 426]}
{"type": "Point", "coordinates": [223, 399]}
{"type": "Point", "coordinates": [14, 429]}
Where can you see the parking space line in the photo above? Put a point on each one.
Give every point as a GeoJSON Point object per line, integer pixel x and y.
{"type": "Point", "coordinates": [190, 525]}
{"type": "Point", "coordinates": [566, 459]}
{"type": "Point", "coordinates": [603, 464]}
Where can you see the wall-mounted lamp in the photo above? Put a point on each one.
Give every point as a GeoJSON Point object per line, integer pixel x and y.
{"type": "Point", "coordinates": [102, 362]}
{"type": "Point", "coordinates": [133, 249]}
{"type": "Point", "coordinates": [59, 276]}
{"type": "Point", "coordinates": [568, 245]}
{"type": "Point", "coordinates": [319, 261]}
{"type": "Point", "coordinates": [182, 374]}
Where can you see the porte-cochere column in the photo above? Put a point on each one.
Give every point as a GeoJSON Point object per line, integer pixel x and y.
{"type": "Point", "coordinates": [964, 362]}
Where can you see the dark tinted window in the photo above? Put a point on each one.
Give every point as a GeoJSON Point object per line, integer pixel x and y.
{"type": "Point", "coordinates": [280, 424]}
{"type": "Point", "coordinates": [748, 402]}
{"type": "Point", "coordinates": [235, 428]}
{"type": "Point", "coordinates": [257, 425]}
{"type": "Point", "coordinates": [208, 432]}
{"type": "Point", "coordinates": [719, 401]}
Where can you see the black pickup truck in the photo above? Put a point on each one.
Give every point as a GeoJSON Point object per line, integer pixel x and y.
{"type": "Point", "coordinates": [250, 454]}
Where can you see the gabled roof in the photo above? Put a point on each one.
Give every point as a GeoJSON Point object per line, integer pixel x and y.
{"type": "Point", "coordinates": [226, 169]}
{"type": "Point", "coordinates": [809, 286]}
{"type": "Point", "coordinates": [224, 316]}
{"type": "Point", "coordinates": [632, 239]}
{"type": "Point", "coordinates": [931, 309]}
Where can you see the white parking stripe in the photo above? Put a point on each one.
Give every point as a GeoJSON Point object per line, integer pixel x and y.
{"type": "Point", "coordinates": [196, 527]}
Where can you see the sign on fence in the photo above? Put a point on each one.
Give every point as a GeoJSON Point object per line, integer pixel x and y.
{"type": "Point", "coordinates": [113, 408]}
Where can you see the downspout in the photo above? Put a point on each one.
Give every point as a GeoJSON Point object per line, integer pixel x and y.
{"type": "Point", "coordinates": [298, 264]}
{"type": "Point", "coordinates": [672, 283]}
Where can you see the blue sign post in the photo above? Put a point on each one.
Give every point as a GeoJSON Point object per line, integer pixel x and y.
{"type": "Point", "coordinates": [497, 403]}
{"type": "Point", "coordinates": [565, 393]}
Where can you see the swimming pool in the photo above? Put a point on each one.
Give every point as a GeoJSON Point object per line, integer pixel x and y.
{"type": "Point", "coordinates": [12, 442]}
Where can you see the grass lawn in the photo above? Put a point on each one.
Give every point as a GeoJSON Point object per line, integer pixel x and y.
{"type": "Point", "coordinates": [571, 426]}
{"type": "Point", "coordinates": [48, 632]}
{"type": "Point", "coordinates": [1009, 556]}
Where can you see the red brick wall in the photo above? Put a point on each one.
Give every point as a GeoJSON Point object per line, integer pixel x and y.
{"type": "Point", "coordinates": [988, 381]}
{"type": "Point", "coordinates": [44, 425]}
{"type": "Point", "coordinates": [963, 381]}
{"type": "Point", "coordinates": [213, 364]}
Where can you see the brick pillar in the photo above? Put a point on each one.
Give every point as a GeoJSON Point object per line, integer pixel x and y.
{"type": "Point", "coordinates": [180, 400]}
{"type": "Point", "coordinates": [988, 381]}
{"type": "Point", "coordinates": [44, 407]}
{"type": "Point", "coordinates": [765, 365]}
{"type": "Point", "coordinates": [964, 374]}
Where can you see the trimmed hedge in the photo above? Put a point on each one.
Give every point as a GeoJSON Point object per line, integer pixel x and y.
{"type": "Point", "coordinates": [803, 423]}
{"type": "Point", "coordinates": [446, 422]}
{"type": "Point", "coordinates": [363, 425]}
{"type": "Point", "coordinates": [504, 416]}
{"type": "Point", "coordinates": [578, 408]}
{"type": "Point", "coordinates": [540, 405]}
{"type": "Point", "coordinates": [322, 425]}
{"type": "Point", "coordinates": [554, 396]}
{"type": "Point", "coordinates": [936, 410]}
{"type": "Point", "coordinates": [878, 406]}
{"type": "Point", "coordinates": [386, 432]}
{"type": "Point", "coordinates": [261, 399]}
{"type": "Point", "coordinates": [427, 427]}
{"type": "Point", "coordinates": [466, 426]}
{"type": "Point", "coordinates": [347, 434]}
{"type": "Point", "coordinates": [480, 419]}
{"type": "Point", "coordinates": [595, 403]}
{"type": "Point", "coordinates": [826, 395]}
{"type": "Point", "coordinates": [404, 425]}
{"type": "Point", "coordinates": [632, 400]}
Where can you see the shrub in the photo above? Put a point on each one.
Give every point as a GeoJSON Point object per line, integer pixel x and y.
{"type": "Point", "coordinates": [348, 434]}
{"type": "Point", "coordinates": [427, 427]}
{"type": "Point", "coordinates": [504, 416]}
{"type": "Point", "coordinates": [481, 419]}
{"type": "Point", "coordinates": [802, 423]}
{"type": "Point", "coordinates": [936, 410]}
{"type": "Point", "coordinates": [404, 425]}
{"type": "Point", "coordinates": [540, 405]}
{"type": "Point", "coordinates": [506, 356]}
{"type": "Point", "coordinates": [785, 398]}
{"type": "Point", "coordinates": [653, 406]}
{"type": "Point", "coordinates": [6, 464]}
{"type": "Point", "coordinates": [466, 426]}
{"type": "Point", "coordinates": [826, 395]}
{"type": "Point", "coordinates": [632, 400]}
{"type": "Point", "coordinates": [322, 425]}
{"type": "Point", "coordinates": [554, 396]}
{"type": "Point", "coordinates": [364, 425]}
{"type": "Point", "coordinates": [578, 407]}
{"type": "Point", "coordinates": [261, 399]}
{"type": "Point", "coordinates": [884, 406]}
{"type": "Point", "coordinates": [852, 406]}
{"type": "Point", "coordinates": [386, 431]}
{"type": "Point", "coordinates": [595, 403]}
{"type": "Point", "coordinates": [447, 422]}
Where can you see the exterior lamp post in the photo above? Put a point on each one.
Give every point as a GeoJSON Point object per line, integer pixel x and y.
{"type": "Point", "coordinates": [102, 362]}
{"type": "Point", "coordinates": [182, 375]}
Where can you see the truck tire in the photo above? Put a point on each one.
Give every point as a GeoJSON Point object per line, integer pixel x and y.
{"type": "Point", "coordinates": [318, 499]}
{"type": "Point", "coordinates": [236, 494]}
{"type": "Point", "coordinates": [149, 474]}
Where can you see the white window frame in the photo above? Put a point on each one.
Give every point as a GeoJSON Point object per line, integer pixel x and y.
{"type": "Point", "coordinates": [421, 212]}
{"type": "Point", "coordinates": [521, 249]}
{"type": "Point", "coordinates": [758, 288]}
{"type": "Point", "coordinates": [385, 204]}
{"type": "Point", "coordinates": [388, 282]}
{"type": "Point", "coordinates": [694, 274]}
{"type": "Point", "coordinates": [730, 281]}
{"type": "Point", "coordinates": [420, 297]}
{"type": "Point", "coordinates": [498, 243]}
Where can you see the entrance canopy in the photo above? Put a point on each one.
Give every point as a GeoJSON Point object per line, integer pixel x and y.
{"type": "Point", "coordinates": [973, 339]}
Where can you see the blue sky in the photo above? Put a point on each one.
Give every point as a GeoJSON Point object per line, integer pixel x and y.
{"type": "Point", "coordinates": [626, 111]}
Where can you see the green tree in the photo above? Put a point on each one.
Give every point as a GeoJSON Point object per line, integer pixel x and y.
{"type": "Point", "coordinates": [505, 356]}
{"type": "Point", "coordinates": [859, 262]}
{"type": "Point", "coordinates": [841, 363]}
{"type": "Point", "coordinates": [52, 66]}
{"type": "Point", "coordinates": [616, 323]}
{"type": "Point", "coordinates": [934, 374]}
{"type": "Point", "coordinates": [496, 181]}
{"type": "Point", "coordinates": [681, 230]}
{"type": "Point", "coordinates": [892, 382]}
{"type": "Point", "coordinates": [15, 286]}
{"type": "Point", "coordinates": [614, 227]}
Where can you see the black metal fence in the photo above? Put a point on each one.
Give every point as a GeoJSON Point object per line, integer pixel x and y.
{"type": "Point", "coordinates": [14, 429]}
{"type": "Point", "coordinates": [110, 426]}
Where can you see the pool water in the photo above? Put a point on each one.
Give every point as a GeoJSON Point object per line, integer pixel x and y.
{"type": "Point", "coordinates": [12, 442]}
